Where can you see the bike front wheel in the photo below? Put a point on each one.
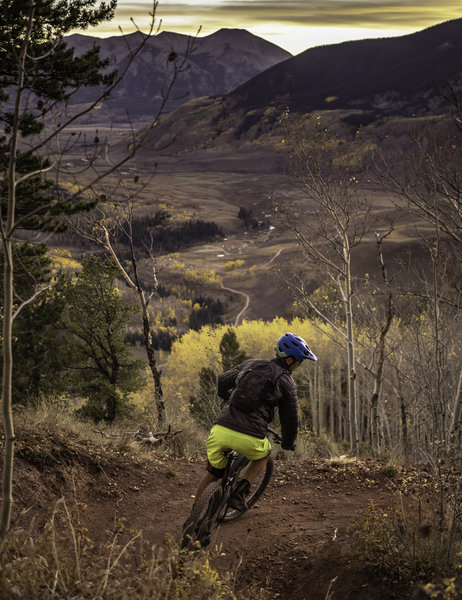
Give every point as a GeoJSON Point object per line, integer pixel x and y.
{"type": "Point", "coordinates": [257, 488]}
{"type": "Point", "coordinates": [203, 521]}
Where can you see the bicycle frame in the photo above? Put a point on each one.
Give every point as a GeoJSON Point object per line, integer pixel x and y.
{"type": "Point", "coordinates": [211, 509]}
{"type": "Point", "coordinates": [236, 462]}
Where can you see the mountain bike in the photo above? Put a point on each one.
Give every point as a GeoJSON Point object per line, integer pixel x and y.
{"type": "Point", "coordinates": [211, 509]}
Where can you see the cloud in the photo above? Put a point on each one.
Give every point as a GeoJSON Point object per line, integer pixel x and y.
{"type": "Point", "coordinates": [292, 24]}
{"type": "Point", "coordinates": [322, 13]}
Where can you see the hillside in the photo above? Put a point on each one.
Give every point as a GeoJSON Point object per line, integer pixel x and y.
{"type": "Point", "coordinates": [371, 84]}
{"type": "Point", "coordinates": [217, 154]}
{"type": "Point", "coordinates": [400, 74]}
{"type": "Point", "coordinates": [292, 546]}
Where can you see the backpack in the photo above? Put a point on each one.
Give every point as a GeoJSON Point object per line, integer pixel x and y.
{"type": "Point", "coordinates": [254, 384]}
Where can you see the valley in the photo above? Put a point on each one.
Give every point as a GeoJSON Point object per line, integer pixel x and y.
{"type": "Point", "coordinates": [222, 149]}
{"type": "Point", "coordinates": [213, 184]}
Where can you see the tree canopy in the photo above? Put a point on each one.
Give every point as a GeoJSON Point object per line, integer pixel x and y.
{"type": "Point", "coordinates": [101, 365]}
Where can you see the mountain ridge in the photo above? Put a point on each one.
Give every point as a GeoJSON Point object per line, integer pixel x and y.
{"type": "Point", "coordinates": [219, 63]}
{"type": "Point", "coordinates": [357, 83]}
{"type": "Point", "coordinates": [336, 75]}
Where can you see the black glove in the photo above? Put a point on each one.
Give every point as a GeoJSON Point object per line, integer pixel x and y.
{"type": "Point", "coordinates": [286, 446]}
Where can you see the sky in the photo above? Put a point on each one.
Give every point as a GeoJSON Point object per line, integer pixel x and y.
{"type": "Point", "coordinates": [292, 24]}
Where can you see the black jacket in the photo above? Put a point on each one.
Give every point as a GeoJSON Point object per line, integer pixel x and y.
{"type": "Point", "coordinates": [255, 423]}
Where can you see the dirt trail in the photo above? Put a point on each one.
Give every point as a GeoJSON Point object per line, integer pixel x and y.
{"type": "Point", "coordinates": [291, 542]}
{"type": "Point", "coordinates": [238, 318]}
{"type": "Point", "coordinates": [246, 303]}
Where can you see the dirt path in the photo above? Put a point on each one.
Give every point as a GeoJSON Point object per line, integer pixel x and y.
{"type": "Point", "coordinates": [246, 303]}
{"type": "Point", "coordinates": [246, 296]}
{"type": "Point", "coordinates": [273, 258]}
{"type": "Point", "coordinates": [290, 543]}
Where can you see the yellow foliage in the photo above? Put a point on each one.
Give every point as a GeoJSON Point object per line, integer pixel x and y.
{"type": "Point", "coordinates": [62, 260]}
{"type": "Point", "coordinates": [233, 264]}
{"type": "Point", "coordinates": [197, 349]}
{"type": "Point", "coordinates": [176, 265]}
{"type": "Point", "coordinates": [205, 277]}
{"type": "Point", "coordinates": [70, 187]}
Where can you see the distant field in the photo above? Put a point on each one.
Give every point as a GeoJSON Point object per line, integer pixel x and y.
{"type": "Point", "coordinates": [212, 186]}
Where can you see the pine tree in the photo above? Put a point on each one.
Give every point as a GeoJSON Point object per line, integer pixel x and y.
{"type": "Point", "coordinates": [231, 353]}
{"type": "Point", "coordinates": [205, 408]}
{"type": "Point", "coordinates": [37, 352]}
{"type": "Point", "coordinates": [95, 320]}
{"type": "Point", "coordinates": [38, 75]}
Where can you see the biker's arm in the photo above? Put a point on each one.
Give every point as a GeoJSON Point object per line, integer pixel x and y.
{"type": "Point", "coordinates": [226, 382]}
{"type": "Point", "coordinates": [288, 414]}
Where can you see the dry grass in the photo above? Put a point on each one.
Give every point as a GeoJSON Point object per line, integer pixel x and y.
{"type": "Point", "coordinates": [45, 430]}
{"type": "Point", "coordinates": [405, 548]}
{"type": "Point", "coordinates": [61, 561]}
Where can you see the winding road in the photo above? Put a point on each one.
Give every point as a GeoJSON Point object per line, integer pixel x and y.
{"type": "Point", "coordinates": [246, 296]}
{"type": "Point", "coordinates": [246, 305]}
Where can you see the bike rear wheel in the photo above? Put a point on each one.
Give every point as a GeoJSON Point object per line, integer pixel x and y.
{"type": "Point", "coordinates": [204, 520]}
{"type": "Point", "coordinates": [256, 490]}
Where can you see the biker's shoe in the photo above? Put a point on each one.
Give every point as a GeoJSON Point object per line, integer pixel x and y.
{"type": "Point", "coordinates": [238, 498]}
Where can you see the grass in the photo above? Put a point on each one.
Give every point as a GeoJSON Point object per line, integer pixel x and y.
{"type": "Point", "coordinates": [412, 548]}
{"type": "Point", "coordinates": [61, 561]}
{"type": "Point", "coordinates": [311, 446]}
{"type": "Point", "coordinates": [47, 430]}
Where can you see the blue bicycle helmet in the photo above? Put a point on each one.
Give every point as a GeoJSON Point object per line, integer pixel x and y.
{"type": "Point", "coordinates": [293, 345]}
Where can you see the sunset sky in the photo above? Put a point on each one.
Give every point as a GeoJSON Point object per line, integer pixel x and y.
{"type": "Point", "coordinates": [292, 24]}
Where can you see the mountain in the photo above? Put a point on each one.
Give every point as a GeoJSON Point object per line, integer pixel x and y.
{"type": "Point", "coordinates": [219, 63]}
{"type": "Point", "coordinates": [406, 71]}
{"type": "Point", "coordinates": [357, 83]}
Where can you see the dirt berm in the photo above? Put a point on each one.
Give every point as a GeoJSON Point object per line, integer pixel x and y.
{"type": "Point", "coordinates": [293, 542]}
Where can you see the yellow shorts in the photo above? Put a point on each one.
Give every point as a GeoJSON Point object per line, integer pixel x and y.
{"type": "Point", "coordinates": [222, 439]}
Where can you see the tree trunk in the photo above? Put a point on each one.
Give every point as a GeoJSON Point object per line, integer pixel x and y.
{"type": "Point", "coordinates": [8, 281]}
{"type": "Point", "coordinates": [332, 407]}
{"type": "Point", "coordinates": [380, 352]}
{"type": "Point", "coordinates": [456, 421]}
{"type": "Point", "coordinates": [404, 431]}
{"type": "Point", "coordinates": [111, 405]}
{"type": "Point", "coordinates": [352, 394]}
{"type": "Point", "coordinates": [375, 422]}
{"type": "Point", "coordinates": [156, 374]}
{"type": "Point", "coordinates": [136, 286]}
{"type": "Point", "coordinates": [314, 408]}
{"type": "Point", "coordinates": [8, 425]}
{"type": "Point", "coordinates": [320, 402]}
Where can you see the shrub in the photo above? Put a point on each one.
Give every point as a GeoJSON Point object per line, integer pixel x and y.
{"type": "Point", "coordinates": [233, 264]}
{"type": "Point", "coordinates": [405, 550]}
{"type": "Point", "coordinates": [310, 445]}
{"type": "Point", "coordinates": [205, 407]}
{"type": "Point", "coordinates": [61, 561]}
{"type": "Point", "coordinates": [449, 589]}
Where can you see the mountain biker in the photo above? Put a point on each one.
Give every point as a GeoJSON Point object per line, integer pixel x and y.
{"type": "Point", "coordinates": [245, 432]}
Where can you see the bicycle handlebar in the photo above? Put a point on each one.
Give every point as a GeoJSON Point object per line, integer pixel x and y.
{"type": "Point", "coordinates": [275, 434]}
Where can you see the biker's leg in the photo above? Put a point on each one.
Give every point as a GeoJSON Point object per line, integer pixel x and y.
{"type": "Point", "coordinates": [206, 480]}
{"type": "Point", "coordinates": [216, 463]}
{"type": "Point", "coordinates": [255, 468]}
